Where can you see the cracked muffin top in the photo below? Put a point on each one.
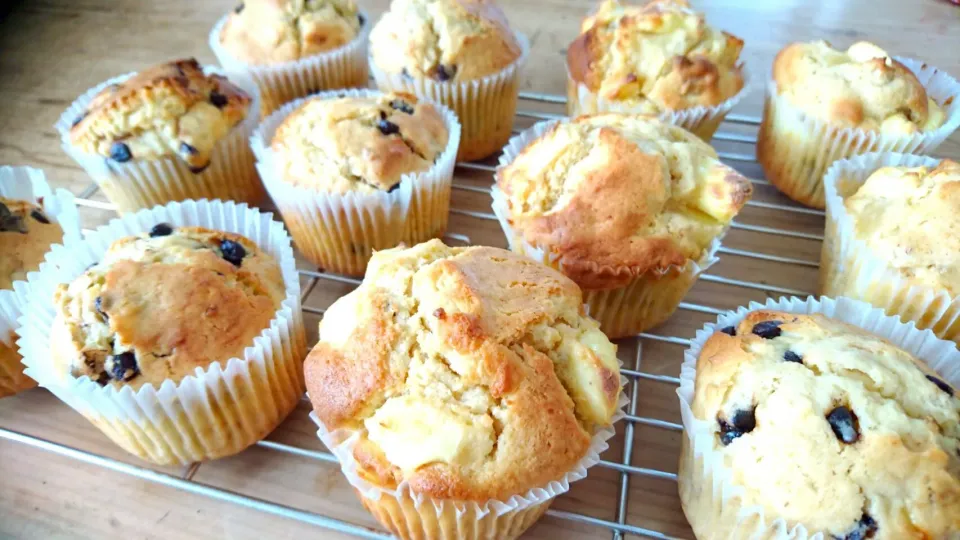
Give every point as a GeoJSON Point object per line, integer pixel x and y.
{"type": "Point", "coordinates": [615, 195]}
{"type": "Point", "coordinates": [274, 31]}
{"type": "Point", "coordinates": [655, 57]}
{"type": "Point", "coordinates": [910, 218]}
{"type": "Point", "coordinates": [171, 109]}
{"type": "Point", "coordinates": [162, 304]}
{"type": "Point", "coordinates": [808, 409]}
{"type": "Point", "coordinates": [359, 144]}
{"type": "Point", "coordinates": [470, 373]}
{"type": "Point", "coordinates": [444, 40]}
{"type": "Point", "coordinates": [26, 234]}
{"type": "Point", "coordinates": [861, 87]}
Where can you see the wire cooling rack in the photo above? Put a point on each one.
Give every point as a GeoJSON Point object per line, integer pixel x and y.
{"type": "Point", "coordinates": [772, 250]}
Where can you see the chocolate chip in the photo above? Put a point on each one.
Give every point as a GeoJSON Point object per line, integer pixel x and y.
{"type": "Point", "coordinates": [10, 222]}
{"type": "Point", "coordinates": [729, 330]}
{"type": "Point", "coordinates": [941, 384]}
{"type": "Point", "coordinates": [394, 187]}
{"type": "Point", "coordinates": [78, 119]}
{"type": "Point", "coordinates": [199, 169]}
{"type": "Point", "coordinates": [120, 152]}
{"type": "Point", "coordinates": [402, 106]}
{"type": "Point", "coordinates": [38, 215]}
{"type": "Point", "coordinates": [361, 19]}
{"type": "Point", "coordinates": [767, 329]}
{"type": "Point", "coordinates": [791, 356]}
{"type": "Point", "coordinates": [865, 528]}
{"type": "Point", "coordinates": [123, 366]}
{"type": "Point", "coordinates": [445, 73]}
{"type": "Point", "coordinates": [187, 149]}
{"type": "Point", "coordinates": [440, 313]}
{"type": "Point", "coordinates": [161, 229]}
{"type": "Point", "coordinates": [232, 252]}
{"type": "Point", "coordinates": [743, 422]}
{"type": "Point", "coordinates": [238, 9]}
{"type": "Point", "coordinates": [103, 379]}
{"type": "Point", "coordinates": [217, 99]}
{"type": "Point", "coordinates": [844, 424]}
{"type": "Point", "coordinates": [387, 127]}
{"type": "Point", "coordinates": [98, 305]}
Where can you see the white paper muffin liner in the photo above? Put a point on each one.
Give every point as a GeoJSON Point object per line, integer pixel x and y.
{"type": "Point", "coordinates": [848, 267]}
{"type": "Point", "coordinates": [485, 106]}
{"type": "Point", "coordinates": [645, 301]}
{"type": "Point", "coordinates": [215, 412]}
{"type": "Point", "coordinates": [344, 67]}
{"type": "Point", "coordinates": [138, 184]}
{"type": "Point", "coordinates": [795, 149]}
{"type": "Point", "coordinates": [702, 121]}
{"type": "Point", "coordinates": [339, 232]}
{"type": "Point", "coordinates": [28, 184]}
{"type": "Point", "coordinates": [718, 486]}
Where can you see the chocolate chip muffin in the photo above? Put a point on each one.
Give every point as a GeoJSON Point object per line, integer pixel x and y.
{"type": "Point", "coordinates": [263, 32]}
{"type": "Point", "coordinates": [162, 305]}
{"type": "Point", "coordinates": [805, 409]}
{"type": "Point", "coordinates": [465, 375]}
{"type": "Point", "coordinates": [458, 52]}
{"type": "Point", "coordinates": [655, 58]}
{"type": "Point", "coordinates": [359, 144]}
{"type": "Point", "coordinates": [629, 207]}
{"type": "Point", "coordinates": [26, 234]}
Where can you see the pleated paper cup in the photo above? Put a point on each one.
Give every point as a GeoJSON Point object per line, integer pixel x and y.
{"type": "Point", "coordinates": [848, 267]}
{"type": "Point", "coordinates": [27, 184]}
{"type": "Point", "coordinates": [711, 498]}
{"type": "Point", "coordinates": [138, 184]}
{"type": "Point", "coordinates": [215, 412]}
{"type": "Point", "coordinates": [646, 300]}
{"type": "Point", "coordinates": [700, 120]}
{"type": "Point", "coordinates": [344, 67]}
{"type": "Point", "coordinates": [485, 106]}
{"type": "Point", "coordinates": [340, 232]}
{"type": "Point", "coordinates": [796, 149]}
{"type": "Point", "coordinates": [411, 515]}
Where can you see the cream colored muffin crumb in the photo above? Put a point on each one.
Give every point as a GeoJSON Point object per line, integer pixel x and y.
{"type": "Point", "coordinates": [26, 234]}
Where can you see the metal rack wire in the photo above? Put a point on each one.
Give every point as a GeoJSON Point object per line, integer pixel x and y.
{"type": "Point", "coordinates": [619, 527]}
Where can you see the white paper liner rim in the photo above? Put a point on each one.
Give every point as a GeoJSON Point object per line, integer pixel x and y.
{"type": "Point", "coordinates": [940, 355]}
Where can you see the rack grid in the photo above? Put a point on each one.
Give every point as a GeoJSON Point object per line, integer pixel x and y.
{"type": "Point", "coordinates": [750, 250]}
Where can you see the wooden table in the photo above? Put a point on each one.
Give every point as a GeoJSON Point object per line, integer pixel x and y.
{"type": "Point", "coordinates": [55, 49]}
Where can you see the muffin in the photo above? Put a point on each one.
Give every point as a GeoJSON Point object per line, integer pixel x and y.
{"type": "Point", "coordinates": [169, 133]}
{"type": "Point", "coordinates": [32, 219]}
{"type": "Point", "coordinates": [629, 207]}
{"type": "Point", "coordinates": [893, 237]}
{"type": "Point", "coordinates": [292, 48]}
{"type": "Point", "coordinates": [357, 171]}
{"type": "Point", "coordinates": [789, 410]}
{"type": "Point", "coordinates": [825, 104]}
{"type": "Point", "coordinates": [461, 53]}
{"type": "Point", "coordinates": [660, 58]}
{"type": "Point", "coordinates": [179, 342]}
{"type": "Point", "coordinates": [455, 379]}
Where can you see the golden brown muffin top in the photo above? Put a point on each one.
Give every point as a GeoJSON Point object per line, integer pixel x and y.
{"type": "Point", "coordinates": [470, 373]}
{"type": "Point", "coordinates": [616, 195]}
{"type": "Point", "coordinates": [861, 87]}
{"type": "Point", "coordinates": [171, 109]}
{"type": "Point", "coordinates": [444, 40]}
{"type": "Point", "coordinates": [655, 57]}
{"type": "Point", "coordinates": [910, 218]}
{"type": "Point", "coordinates": [26, 234]}
{"type": "Point", "coordinates": [808, 409]}
{"type": "Point", "coordinates": [360, 144]}
{"type": "Point", "coordinates": [160, 305]}
{"type": "Point", "coordinates": [266, 32]}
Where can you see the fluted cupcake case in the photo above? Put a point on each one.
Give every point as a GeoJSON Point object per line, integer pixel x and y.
{"type": "Point", "coordinates": [344, 67]}
{"type": "Point", "coordinates": [138, 184]}
{"type": "Point", "coordinates": [217, 411]}
{"type": "Point", "coordinates": [27, 184]}
{"type": "Point", "coordinates": [702, 121]}
{"type": "Point", "coordinates": [848, 267]}
{"type": "Point", "coordinates": [708, 492]}
{"type": "Point", "coordinates": [340, 232]}
{"type": "Point", "coordinates": [795, 149]}
{"type": "Point", "coordinates": [647, 299]}
{"type": "Point", "coordinates": [484, 106]}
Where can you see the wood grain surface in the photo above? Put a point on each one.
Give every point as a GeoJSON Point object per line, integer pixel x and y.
{"type": "Point", "coordinates": [53, 50]}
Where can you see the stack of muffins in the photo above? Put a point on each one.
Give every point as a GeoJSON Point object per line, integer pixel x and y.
{"type": "Point", "coordinates": [463, 389]}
